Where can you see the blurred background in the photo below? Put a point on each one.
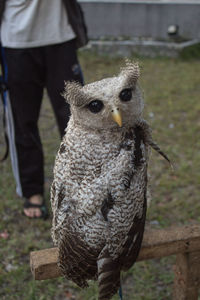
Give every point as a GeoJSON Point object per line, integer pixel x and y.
{"type": "Point", "coordinates": [164, 37]}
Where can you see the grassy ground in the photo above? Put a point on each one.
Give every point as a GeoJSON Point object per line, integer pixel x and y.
{"type": "Point", "coordinates": [171, 91]}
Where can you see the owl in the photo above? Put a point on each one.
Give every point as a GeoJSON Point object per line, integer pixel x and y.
{"type": "Point", "coordinates": [98, 194]}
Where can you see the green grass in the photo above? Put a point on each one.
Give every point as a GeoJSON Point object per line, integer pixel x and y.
{"type": "Point", "coordinates": [172, 107]}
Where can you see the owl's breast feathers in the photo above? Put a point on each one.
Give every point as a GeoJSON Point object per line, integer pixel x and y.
{"type": "Point", "coordinates": [99, 218]}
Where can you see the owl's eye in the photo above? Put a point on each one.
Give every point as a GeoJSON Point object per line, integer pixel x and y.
{"type": "Point", "coordinates": [125, 95]}
{"type": "Point", "coordinates": [95, 106]}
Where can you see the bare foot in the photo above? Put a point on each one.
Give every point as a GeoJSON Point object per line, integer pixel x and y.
{"type": "Point", "coordinates": [32, 212]}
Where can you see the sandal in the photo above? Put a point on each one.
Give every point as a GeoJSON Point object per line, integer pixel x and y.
{"type": "Point", "coordinates": [42, 207]}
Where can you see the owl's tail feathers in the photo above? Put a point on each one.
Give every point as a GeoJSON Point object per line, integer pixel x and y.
{"type": "Point", "coordinates": [75, 260]}
{"type": "Point", "coordinates": [147, 137]}
{"type": "Point", "coordinates": [108, 275]}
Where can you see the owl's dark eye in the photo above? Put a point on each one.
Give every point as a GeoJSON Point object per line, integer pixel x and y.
{"type": "Point", "coordinates": [95, 106]}
{"type": "Point", "coordinates": [125, 95]}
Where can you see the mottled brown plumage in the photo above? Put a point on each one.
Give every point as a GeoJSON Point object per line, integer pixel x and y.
{"type": "Point", "coordinates": [98, 194]}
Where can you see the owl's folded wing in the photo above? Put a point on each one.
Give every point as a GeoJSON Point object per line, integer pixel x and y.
{"type": "Point", "coordinates": [133, 242]}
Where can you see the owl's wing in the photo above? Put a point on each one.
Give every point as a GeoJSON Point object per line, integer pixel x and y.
{"type": "Point", "coordinates": [77, 260]}
{"type": "Point", "coordinates": [109, 269]}
{"type": "Point", "coordinates": [125, 221]}
{"type": "Point", "coordinates": [124, 228]}
{"type": "Point", "coordinates": [133, 243]}
{"type": "Point", "coordinates": [58, 193]}
{"type": "Point", "coordinates": [125, 206]}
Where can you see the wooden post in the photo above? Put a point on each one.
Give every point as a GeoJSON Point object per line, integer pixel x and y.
{"type": "Point", "coordinates": [187, 276]}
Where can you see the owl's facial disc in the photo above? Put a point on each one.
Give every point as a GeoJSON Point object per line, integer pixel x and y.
{"type": "Point", "coordinates": [116, 116]}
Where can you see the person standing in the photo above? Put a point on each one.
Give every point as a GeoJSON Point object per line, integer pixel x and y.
{"type": "Point", "coordinates": [39, 41]}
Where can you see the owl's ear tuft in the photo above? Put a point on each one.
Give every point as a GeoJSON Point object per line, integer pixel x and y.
{"type": "Point", "coordinates": [73, 93]}
{"type": "Point", "coordinates": [131, 72]}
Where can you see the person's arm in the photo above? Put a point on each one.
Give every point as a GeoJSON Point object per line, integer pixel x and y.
{"type": "Point", "coordinates": [77, 21]}
{"type": "Point", "coordinates": [2, 6]}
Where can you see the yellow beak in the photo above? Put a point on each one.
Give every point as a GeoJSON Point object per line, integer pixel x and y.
{"type": "Point", "coordinates": [116, 116]}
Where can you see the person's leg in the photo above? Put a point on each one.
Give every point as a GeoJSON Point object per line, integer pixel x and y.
{"type": "Point", "coordinates": [25, 83]}
{"type": "Point", "coordinates": [62, 65]}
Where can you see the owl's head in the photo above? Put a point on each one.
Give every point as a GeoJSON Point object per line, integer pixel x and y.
{"type": "Point", "coordinates": [108, 103]}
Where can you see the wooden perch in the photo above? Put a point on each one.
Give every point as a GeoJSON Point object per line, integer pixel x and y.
{"type": "Point", "coordinates": [156, 243]}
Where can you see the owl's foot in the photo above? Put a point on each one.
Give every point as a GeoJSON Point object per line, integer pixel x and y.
{"type": "Point", "coordinates": [35, 207]}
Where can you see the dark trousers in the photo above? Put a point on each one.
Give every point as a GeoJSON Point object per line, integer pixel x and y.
{"type": "Point", "coordinates": [29, 71]}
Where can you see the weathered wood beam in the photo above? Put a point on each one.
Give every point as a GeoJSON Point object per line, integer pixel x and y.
{"type": "Point", "coordinates": [156, 243]}
{"type": "Point", "coordinates": [187, 276]}
{"type": "Point", "coordinates": [44, 264]}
